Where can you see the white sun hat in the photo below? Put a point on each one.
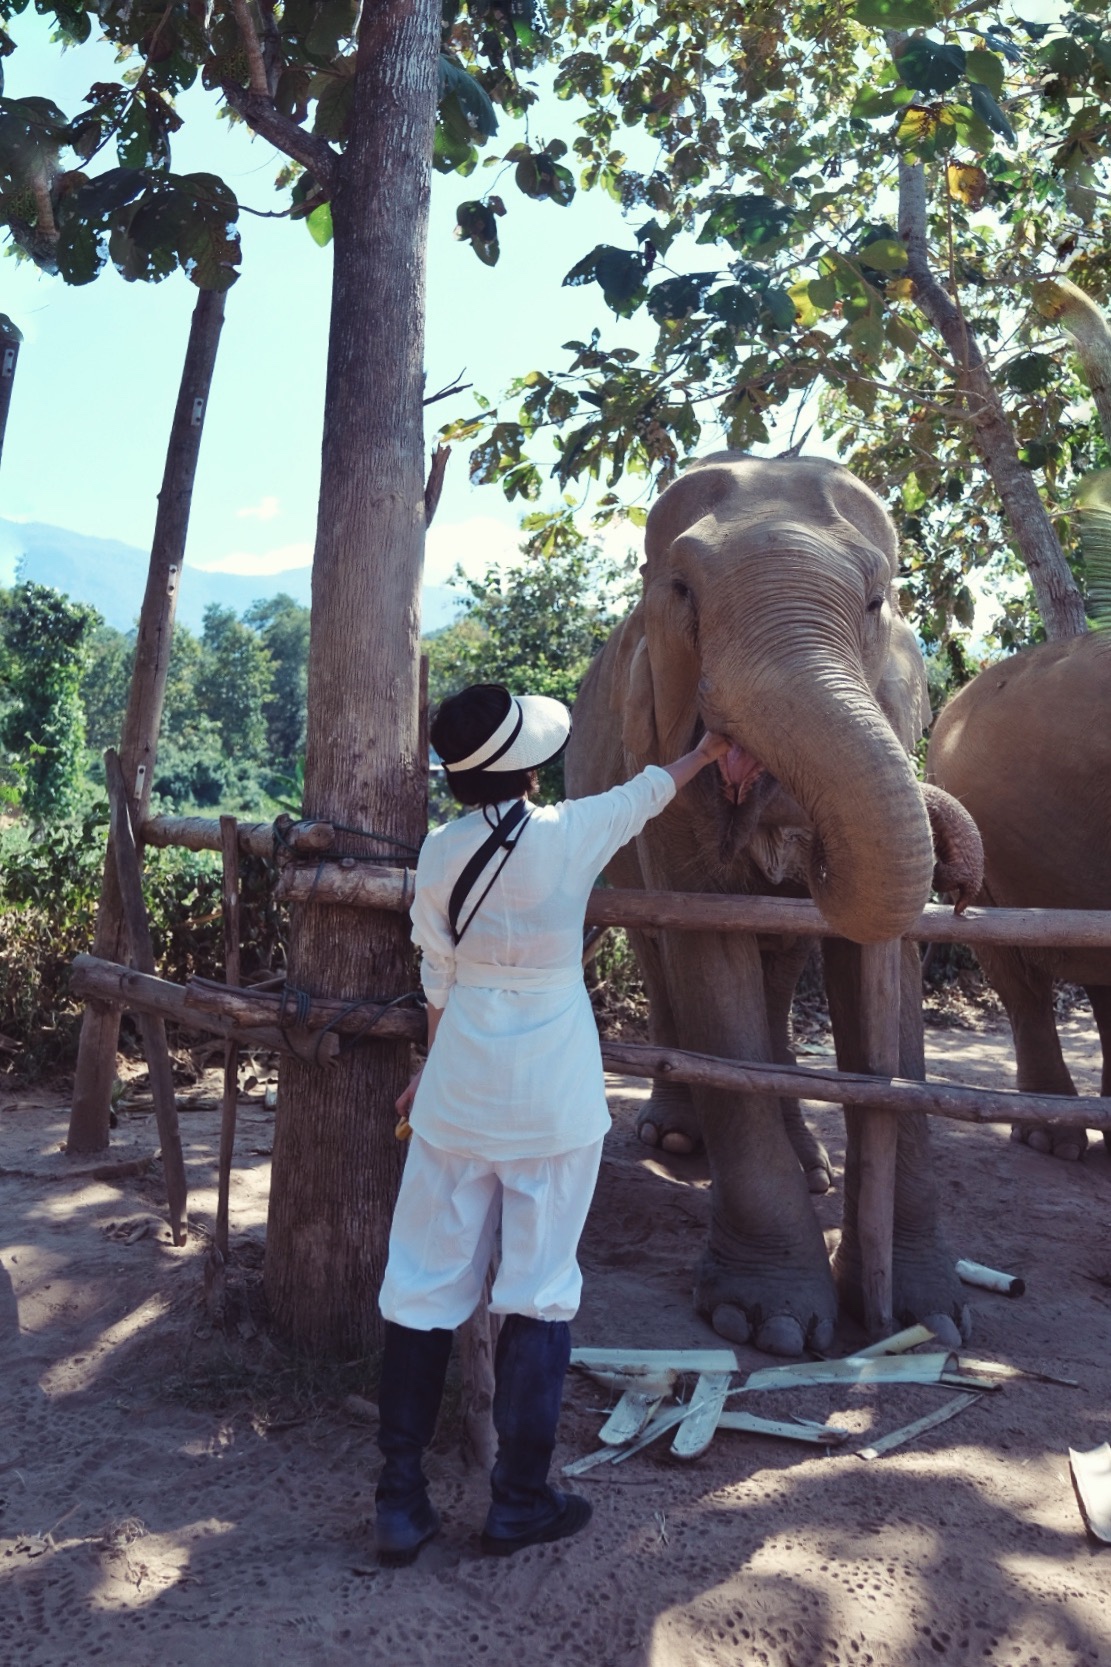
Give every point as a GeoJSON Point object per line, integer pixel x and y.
{"type": "Point", "coordinates": [533, 731]}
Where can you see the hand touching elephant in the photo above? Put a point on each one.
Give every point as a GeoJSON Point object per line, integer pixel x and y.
{"type": "Point", "coordinates": [767, 615]}
{"type": "Point", "coordinates": [1026, 747]}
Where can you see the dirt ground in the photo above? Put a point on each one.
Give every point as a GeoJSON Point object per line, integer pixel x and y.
{"type": "Point", "coordinates": [171, 1494]}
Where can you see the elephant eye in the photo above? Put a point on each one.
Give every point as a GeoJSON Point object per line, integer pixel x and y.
{"type": "Point", "coordinates": [681, 590]}
{"type": "Point", "coordinates": [875, 606]}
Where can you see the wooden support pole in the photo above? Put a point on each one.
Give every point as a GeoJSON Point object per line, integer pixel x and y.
{"type": "Point", "coordinates": [100, 1025]}
{"type": "Point", "coordinates": [252, 1015]}
{"type": "Point", "coordinates": [880, 978]}
{"type": "Point", "coordinates": [152, 1028]}
{"type": "Point", "coordinates": [10, 339]}
{"type": "Point", "coordinates": [366, 885]}
{"type": "Point", "coordinates": [231, 1047]}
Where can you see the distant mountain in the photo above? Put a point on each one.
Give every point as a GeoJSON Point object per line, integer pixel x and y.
{"type": "Point", "coordinates": [112, 576]}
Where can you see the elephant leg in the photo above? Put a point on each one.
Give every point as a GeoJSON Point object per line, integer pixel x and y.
{"type": "Point", "coordinates": [1026, 991]}
{"type": "Point", "coordinates": [925, 1287]}
{"type": "Point", "coordinates": [782, 970]}
{"type": "Point", "coordinates": [669, 1120]}
{"type": "Point", "coordinates": [765, 1276]}
{"type": "Point", "coordinates": [1100, 997]}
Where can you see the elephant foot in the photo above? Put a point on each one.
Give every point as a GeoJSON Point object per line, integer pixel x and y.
{"type": "Point", "coordinates": [1069, 1144]}
{"type": "Point", "coordinates": [925, 1289]}
{"type": "Point", "coordinates": [669, 1120]}
{"type": "Point", "coordinates": [777, 1311]}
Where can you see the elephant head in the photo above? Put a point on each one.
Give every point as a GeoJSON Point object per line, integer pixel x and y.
{"type": "Point", "coordinates": [768, 614]}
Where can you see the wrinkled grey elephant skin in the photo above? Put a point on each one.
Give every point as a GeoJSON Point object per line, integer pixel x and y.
{"type": "Point", "coordinates": [1026, 748]}
{"type": "Point", "coordinates": [768, 614]}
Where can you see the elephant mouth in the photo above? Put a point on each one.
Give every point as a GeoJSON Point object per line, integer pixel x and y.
{"type": "Point", "coordinates": [740, 771]}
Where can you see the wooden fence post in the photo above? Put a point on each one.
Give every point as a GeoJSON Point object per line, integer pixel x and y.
{"type": "Point", "coordinates": [230, 840]}
{"type": "Point", "coordinates": [152, 1028]}
{"type": "Point", "coordinates": [880, 979]}
{"type": "Point", "coordinates": [100, 1026]}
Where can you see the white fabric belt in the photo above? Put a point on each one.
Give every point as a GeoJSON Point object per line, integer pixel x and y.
{"type": "Point", "coordinates": [484, 975]}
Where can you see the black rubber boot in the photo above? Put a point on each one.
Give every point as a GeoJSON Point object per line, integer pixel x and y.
{"type": "Point", "coordinates": [414, 1365]}
{"type": "Point", "coordinates": [529, 1368]}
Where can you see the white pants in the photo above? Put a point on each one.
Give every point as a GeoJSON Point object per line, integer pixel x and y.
{"type": "Point", "coordinates": [445, 1225]}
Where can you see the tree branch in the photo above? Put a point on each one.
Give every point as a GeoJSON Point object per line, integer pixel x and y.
{"type": "Point", "coordinates": [256, 68]}
{"type": "Point", "coordinates": [1058, 596]}
{"type": "Point", "coordinates": [260, 112]}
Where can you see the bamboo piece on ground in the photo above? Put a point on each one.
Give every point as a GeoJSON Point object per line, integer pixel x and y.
{"type": "Point", "coordinates": [649, 1368]}
{"type": "Point", "coordinates": [988, 1279]}
{"type": "Point", "coordinates": [1091, 1474]}
{"type": "Point", "coordinates": [256, 839]}
{"type": "Point", "coordinates": [100, 1025]}
{"type": "Point", "coordinates": [880, 979]}
{"type": "Point", "coordinates": [888, 1368]}
{"type": "Point", "coordinates": [152, 1028]}
{"type": "Point", "coordinates": [696, 1431]}
{"type": "Point", "coordinates": [659, 1426]}
{"type": "Point", "coordinates": [909, 1432]}
{"type": "Point", "coordinates": [798, 1429]}
{"type": "Point", "coordinates": [380, 887]}
{"type": "Point", "coordinates": [230, 853]}
{"type": "Point", "coordinates": [630, 1416]}
{"type": "Point", "coordinates": [899, 1344]}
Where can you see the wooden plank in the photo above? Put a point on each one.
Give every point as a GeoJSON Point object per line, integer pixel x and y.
{"type": "Point", "coordinates": [799, 1429]}
{"type": "Point", "coordinates": [230, 854]}
{"type": "Point", "coordinates": [909, 1432]}
{"type": "Point", "coordinates": [1091, 1474]}
{"type": "Point", "coordinates": [630, 1416]}
{"type": "Point", "coordinates": [371, 886]}
{"type": "Point", "coordinates": [877, 1132]}
{"type": "Point", "coordinates": [696, 1431]}
{"type": "Point", "coordinates": [151, 1028]}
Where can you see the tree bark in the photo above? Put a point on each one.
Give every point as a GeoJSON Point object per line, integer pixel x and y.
{"type": "Point", "coordinates": [1067, 305]}
{"type": "Point", "coordinates": [336, 1162]}
{"type": "Point", "coordinates": [10, 339]}
{"type": "Point", "coordinates": [1056, 591]}
{"type": "Point", "coordinates": [96, 1054]}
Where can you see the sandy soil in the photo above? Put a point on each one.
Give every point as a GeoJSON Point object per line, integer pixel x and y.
{"type": "Point", "coordinates": [173, 1495]}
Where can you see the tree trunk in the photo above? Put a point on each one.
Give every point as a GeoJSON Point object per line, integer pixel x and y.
{"type": "Point", "coordinates": [100, 1027]}
{"type": "Point", "coordinates": [1056, 591]}
{"type": "Point", "coordinates": [10, 339]}
{"type": "Point", "coordinates": [336, 1162]}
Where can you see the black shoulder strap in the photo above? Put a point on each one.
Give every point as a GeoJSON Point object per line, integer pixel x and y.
{"type": "Point", "coordinates": [513, 822]}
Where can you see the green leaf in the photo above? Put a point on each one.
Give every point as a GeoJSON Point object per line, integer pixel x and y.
{"type": "Point", "coordinates": [1031, 372]}
{"type": "Point", "coordinates": [476, 224]}
{"type": "Point", "coordinates": [470, 96]}
{"type": "Point", "coordinates": [620, 274]}
{"type": "Point", "coordinates": [885, 254]}
{"type": "Point", "coordinates": [895, 14]}
{"type": "Point", "coordinates": [990, 113]}
{"type": "Point", "coordinates": [930, 66]}
{"type": "Point", "coordinates": [677, 298]}
{"type": "Point", "coordinates": [319, 223]}
{"type": "Point", "coordinates": [749, 221]}
{"type": "Point", "coordinates": [987, 69]}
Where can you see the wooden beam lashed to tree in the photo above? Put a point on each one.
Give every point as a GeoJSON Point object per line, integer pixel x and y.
{"type": "Point", "coordinates": [96, 1054]}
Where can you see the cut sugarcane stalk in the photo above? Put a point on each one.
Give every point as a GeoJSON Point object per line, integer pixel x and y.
{"type": "Point", "coordinates": [696, 1431]}
{"type": "Point", "coordinates": [898, 1368]}
{"type": "Point", "coordinates": [909, 1431]}
{"type": "Point", "coordinates": [990, 1279]}
{"type": "Point", "coordinates": [1000, 1369]}
{"type": "Point", "coordinates": [1091, 1473]}
{"type": "Point", "coordinates": [823, 1435]}
{"type": "Point", "coordinates": [899, 1344]}
{"type": "Point", "coordinates": [629, 1416]}
{"type": "Point", "coordinates": [969, 1380]}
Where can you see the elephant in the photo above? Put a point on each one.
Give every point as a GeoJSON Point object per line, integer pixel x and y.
{"type": "Point", "coordinates": [768, 614]}
{"type": "Point", "coordinates": [1026, 748]}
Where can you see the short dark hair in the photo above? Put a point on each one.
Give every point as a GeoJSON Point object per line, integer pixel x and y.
{"type": "Point", "coordinates": [490, 787]}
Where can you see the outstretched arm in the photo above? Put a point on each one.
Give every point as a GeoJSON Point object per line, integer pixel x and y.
{"type": "Point", "coordinates": [685, 769]}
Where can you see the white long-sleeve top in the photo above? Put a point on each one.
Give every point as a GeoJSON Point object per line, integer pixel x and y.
{"type": "Point", "coordinates": [515, 1070]}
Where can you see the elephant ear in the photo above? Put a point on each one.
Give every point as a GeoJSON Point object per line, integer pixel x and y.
{"type": "Point", "coordinates": [638, 730]}
{"type": "Point", "coordinates": [670, 676]}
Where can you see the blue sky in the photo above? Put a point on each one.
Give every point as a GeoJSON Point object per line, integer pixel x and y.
{"type": "Point", "coordinates": [100, 365]}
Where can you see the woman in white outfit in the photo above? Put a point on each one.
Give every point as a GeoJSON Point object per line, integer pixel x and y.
{"type": "Point", "coordinates": [508, 1113]}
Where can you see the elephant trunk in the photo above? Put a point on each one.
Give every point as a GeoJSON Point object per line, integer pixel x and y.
{"type": "Point", "coordinates": [819, 731]}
